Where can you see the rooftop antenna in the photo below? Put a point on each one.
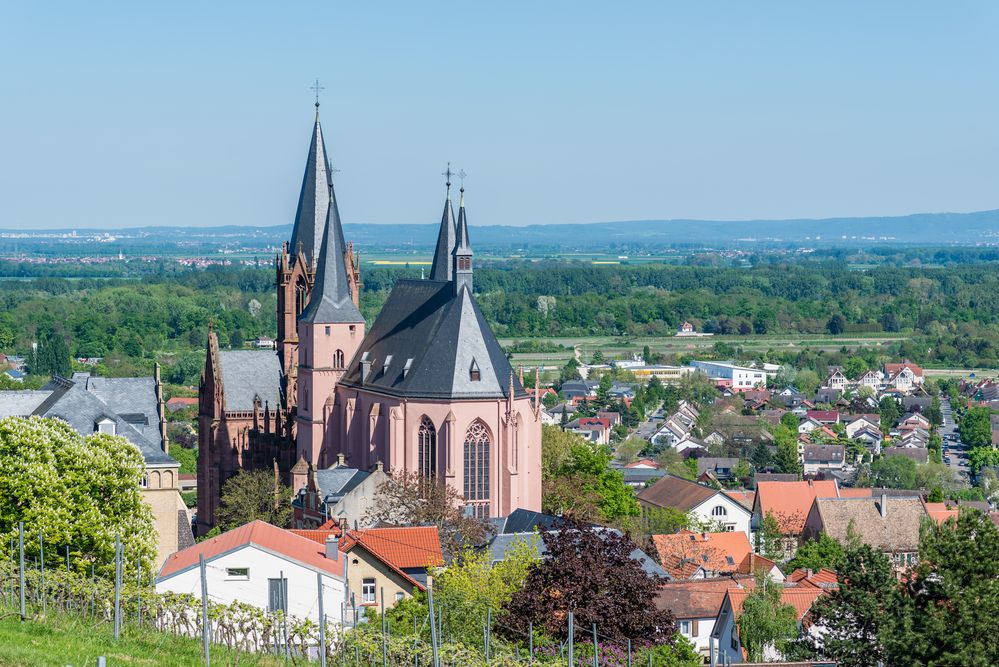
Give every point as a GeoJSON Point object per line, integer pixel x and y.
{"type": "Point", "coordinates": [317, 89]}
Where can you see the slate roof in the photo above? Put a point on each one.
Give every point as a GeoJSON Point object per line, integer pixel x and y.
{"type": "Point", "coordinates": [438, 335]}
{"type": "Point", "coordinates": [313, 200]}
{"type": "Point", "coordinates": [824, 453]}
{"type": "Point", "coordinates": [335, 483]}
{"type": "Point", "coordinates": [524, 521]}
{"type": "Point", "coordinates": [504, 543]}
{"type": "Point", "coordinates": [247, 374]}
{"type": "Point", "coordinates": [671, 491]}
{"type": "Point", "coordinates": [84, 401]}
{"type": "Point", "coordinates": [330, 300]}
{"type": "Point", "coordinates": [442, 268]}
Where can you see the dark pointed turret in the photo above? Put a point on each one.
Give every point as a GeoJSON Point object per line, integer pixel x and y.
{"type": "Point", "coordinates": [330, 301]}
{"type": "Point", "coordinates": [462, 252]}
{"type": "Point", "coordinates": [442, 267]}
{"type": "Point", "coordinates": [313, 201]}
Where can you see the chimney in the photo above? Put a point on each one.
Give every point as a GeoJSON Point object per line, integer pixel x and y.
{"type": "Point", "coordinates": [378, 466]}
{"type": "Point", "coordinates": [884, 505]}
{"type": "Point", "coordinates": [340, 462]}
{"type": "Point", "coordinates": [332, 548]}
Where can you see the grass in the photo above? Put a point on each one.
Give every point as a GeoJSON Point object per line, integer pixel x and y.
{"type": "Point", "coordinates": [58, 640]}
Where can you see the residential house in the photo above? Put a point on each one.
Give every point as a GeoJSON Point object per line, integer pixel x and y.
{"type": "Point", "coordinates": [397, 561]}
{"type": "Point", "coordinates": [808, 425]}
{"type": "Point", "coordinates": [685, 328]}
{"type": "Point", "coordinates": [688, 445]}
{"type": "Point", "coordinates": [594, 429]}
{"type": "Point", "coordinates": [725, 634]}
{"type": "Point", "coordinates": [264, 343]}
{"type": "Point", "coordinates": [889, 524]}
{"type": "Point", "coordinates": [836, 379]}
{"type": "Point", "coordinates": [264, 566]}
{"type": "Point", "coordinates": [789, 503]}
{"type": "Point", "coordinates": [918, 454]}
{"type": "Point", "coordinates": [706, 505]}
{"type": "Point", "coordinates": [824, 417]}
{"type": "Point", "coordinates": [913, 420]}
{"type": "Point", "coordinates": [872, 378]}
{"type": "Point", "coordinates": [132, 408]}
{"type": "Point", "coordinates": [871, 437]}
{"type": "Point", "coordinates": [647, 464]}
{"type": "Point", "coordinates": [695, 605]}
{"type": "Point", "coordinates": [853, 424]}
{"type": "Point", "coordinates": [576, 389]}
{"type": "Point", "coordinates": [821, 578]}
{"type": "Point", "coordinates": [614, 418]}
{"type": "Point", "coordinates": [690, 555]}
{"type": "Point", "coordinates": [720, 468]}
{"type": "Point", "coordinates": [822, 457]}
{"type": "Point", "coordinates": [828, 395]}
{"type": "Point", "coordinates": [340, 493]}
{"type": "Point", "coordinates": [904, 377]}
{"type": "Point", "coordinates": [180, 402]}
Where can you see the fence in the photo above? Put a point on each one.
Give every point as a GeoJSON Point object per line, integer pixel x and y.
{"type": "Point", "coordinates": [33, 584]}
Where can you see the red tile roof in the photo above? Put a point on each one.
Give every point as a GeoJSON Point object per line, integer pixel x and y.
{"type": "Point", "coordinates": [940, 512]}
{"type": "Point", "coordinates": [399, 548]}
{"type": "Point", "coordinates": [182, 400]}
{"type": "Point", "coordinates": [697, 598]}
{"type": "Point", "coordinates": [744, 498]}
{"type": "Point", "coordinates": [316, 534]}
{"type": "Point", "coordinates": [715, 552]}
{"type": "Point", "coordinates": [754, 563]}
{"type": "Point", "coordinates": [799, 598]}
{"type": "Point", "coordinates": [790, 502]}
{"type": "Point", "coordinates": [823, 415]}
{"type": "Point", "coordinates": [894, 369]}
{"type": "Point", "coordinates": [822, 578]}
{"type": "Point", "coordinates": [261, 535]}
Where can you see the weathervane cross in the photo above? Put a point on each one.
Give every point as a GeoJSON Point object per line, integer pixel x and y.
{"type": "Point", "coordinates": [318, 89]}
{"type": "Point", "coordinates": [447, 173]}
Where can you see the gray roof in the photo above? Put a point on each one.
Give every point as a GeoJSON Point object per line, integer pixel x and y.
{"type": "Point", "coordinates": [83, 403]}
{"type": "Point", "coordinates": [313, 201]}
{"type": "Point", "coordinates": [334, 483]}
{"type": "Point", "coordinates": [330, 300]}
{"type": "Point", "coordinates": [248, 375]}
{"type": "Point", "coordinates": [443, 268]}
{"type": "Point", "coordinates": [424, 344]}
{"type": "Point", "coordinates": [461, 243]}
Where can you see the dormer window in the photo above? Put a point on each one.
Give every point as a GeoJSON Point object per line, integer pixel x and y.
{"type": "Point", "coordinates": [474, 374]}
{"type": "Point", "coordinates": [106, 425]}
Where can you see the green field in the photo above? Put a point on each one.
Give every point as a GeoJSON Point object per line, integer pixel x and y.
{"type": "Point", "coordinates": [57, 640]}
{"type": "Point", "coordinates": [622, 346]}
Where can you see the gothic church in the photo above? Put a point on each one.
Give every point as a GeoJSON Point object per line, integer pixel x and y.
{"type": "Point", "coordinates": [427, 389]}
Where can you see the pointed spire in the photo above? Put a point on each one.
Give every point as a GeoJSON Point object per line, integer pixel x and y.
{"type": "Point", "coordinates": [330, 300]}
{"type": "Point", "coordinates": [313, 200]}
{"type": "Point", "coordinates": [442, 268]}
{"type": "Point", "coordinates": [462, 253]}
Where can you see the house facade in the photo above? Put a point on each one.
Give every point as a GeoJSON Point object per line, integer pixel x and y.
{"type": "Point", "coordinates": [708, 506]}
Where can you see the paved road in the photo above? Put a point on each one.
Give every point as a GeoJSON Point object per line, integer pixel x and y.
{"type": "Point", "coordinates": [954, 450]}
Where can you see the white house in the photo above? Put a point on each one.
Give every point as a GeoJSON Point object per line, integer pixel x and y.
{"type": "Point", "coordinates": [861, 422]}
{"type": "Point", "coordinates": [738, 378]}
{"type": "Point", "coordinates": [808, 425]}
{"type": "Point", "coordinates": [264, 566]}
{"type": "Point", "coordinates": [836, 379]}
{"type": "Point", "coordinates": [706, 505]}
{"type": "Point", "coordinates": [726, 645]}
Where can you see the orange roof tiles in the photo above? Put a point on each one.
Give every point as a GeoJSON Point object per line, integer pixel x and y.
{"type": "Point", "coordinates": [754, 563]}
{"type": "Point", "coordinates": [799, 598]}
{"type": "Point", "coordinates": [259, 534]}
{"type": "Point", "coordinates": [682, 553]}
{"type": "Point", "coordinates": [854, 492]}
{"type": "Point", "coordinates": [940, 512]}
{"type": "Point", "coordinates": [822, 578]}
{"type": "Point", "coordinates": [316, 534]}
{"type": "Point", "coordinates": [744, 498]}
{"type": "Point", "coordinates": [790, 502]}
{"type": "Point", "coordinates": [411, 546]}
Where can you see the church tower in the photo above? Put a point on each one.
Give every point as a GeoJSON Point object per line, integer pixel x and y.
{"type": "Point", "coordinates": [462, 252]}
{"type": "Point", "coordinates": [442, 268]}
{"type": "Point", "coordinates": [330, 330]}
{"type": "Point", "coordinates": [296, 263]}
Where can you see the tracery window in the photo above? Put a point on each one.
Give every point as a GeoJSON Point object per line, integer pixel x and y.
{"type": "Point", "coordinates": [338, 359]}
{"type": "Point", "coordinates": [476, 469]}
{"type": "Point", "coordinates": [426, 448]}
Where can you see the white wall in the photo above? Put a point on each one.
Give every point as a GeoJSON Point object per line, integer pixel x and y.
{"type": "Point", "coordinates": [737, 515]}
{"type": "Point", "coordinates": [302, 587]}
{"type": "Point", "coordinates": [702, 638]}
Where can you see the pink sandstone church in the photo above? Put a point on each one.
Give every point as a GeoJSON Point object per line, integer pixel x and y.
{"type": "Point", "coordinates": [426, 389]}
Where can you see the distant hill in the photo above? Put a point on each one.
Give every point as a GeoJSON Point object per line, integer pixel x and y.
{"type": "Point", "coordinates": [923, 228]}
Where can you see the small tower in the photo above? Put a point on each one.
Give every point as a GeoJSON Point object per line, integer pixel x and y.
{"type": "Point", "coordinates": [462, 252]}
{"type": "Point", "coordinates": [330, 330]}
{"type": "Point", "coordinates": [442, 267]}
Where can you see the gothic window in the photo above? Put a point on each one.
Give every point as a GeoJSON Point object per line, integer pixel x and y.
{"type": "Point", "coordinates": [338, 359]}
{"type": "Point", "coordinates": [426, 448]}
{"type": "Point", "coordinates": [300, 302]}
{"type": "Point", "coordinates": [476, 469]}
{"type": "Point", "coordinates": [474, 374]}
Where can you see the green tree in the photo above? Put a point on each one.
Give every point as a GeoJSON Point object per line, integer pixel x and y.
{"type": "Point", "coordinates": [790, 420]}
{"type": "Point", "coordinates": [556, 449]}
{"type": "Point", "coordinates": [786, 458]}
{"type": "Point", "coordinates": [76, 491]}
{"type": "Point", "coordinates": [766, 621]}
{"type": "Point", "coordinates": [890, 410]}
{"type": "Point", "coordinates": [976, 427]}
{"type": "Point", "coordinates": [570, 371]}
{"type": "Point", "coordinates": [836, 324]}
{"type": "Point", "coordinates": [629, 449]}
{"type": "Point", "coordinates": [52, 357]}
{"type": "Point", "coordinates": [894, 472]}
{"type": "Point", "coordinates": [249, 496]}
{"type": "Point", "coordinates": [948, 612]}
{"type": "Point", "coordinates": [761, 456]}
{"type": "Point", "coordinates": [983, 457]}
{"type": "Point", "coordinates": [934, 413]}
{"type": "Point", "coordinates": [770, 539]}
{"type": "Point", "coordinates": [817, 553]}
{"type": "Point", "coordinates": [852, 615]}
{"type": "Point", "coordinates": [593, 466]}
{"type": "Point", "coordinates": [6, 338]}
{"type": "Point", "coordinates": [665, 520]}
{"type": "Point", "coordinates": [854, 367]}
{"type": "Point", "coordinates": [807, 381]}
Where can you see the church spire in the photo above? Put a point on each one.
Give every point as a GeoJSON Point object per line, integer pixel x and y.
{"type": "Point", "coordinates": [462, 250]}
{"type": "Point", "coordinates": [314, 199]}
{"type": "Point", "coordinates": [330, 301]}
{"type": "Point", "coordinates": [442, 269]}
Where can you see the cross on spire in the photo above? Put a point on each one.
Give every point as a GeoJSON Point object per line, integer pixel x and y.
{"type": "Point", "coordinates": [447, 173]}
{"type": "Point", "coordinates": [317, 89]}
{"type": "Point", "coordinates": [461, 175]}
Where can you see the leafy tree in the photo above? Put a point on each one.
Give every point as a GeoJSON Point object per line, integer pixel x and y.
{"type": "Point", "coordinates": [948, 611]}
{"type": "Point", "coordinates": [976, 427]}
{"type": "Point", "coordinates": [894, 472]}
{"type": "Point", "coordinates": [6, 338]}
{"type": "Point", "coordinates": [790, 420]}
{"type": "Point", "coordinates": [592, 467]}
{"type": "Point", "coordinates": [807, 382]}
{"type": "Point", "coordinates": [603, 390]}
{"type": "Point", "coordinates": [765, 620]}
{"type": "Point", "coordinates": [52, 357]}
{"type": "Point", "coordinates": [249, 496]}
{"type": "Point", "coordinates": [412, 499]}
{"type": "Point", "coordinates": [188, 458]}
{"type": "Point", "coordinates": [935, 496]}
{"type": "Point", "coordinates": [761, 456]}
{"type": "Point", "coordinates": [770, 539]}
{"type": "Point", "coordinates": [854, 367]}
{"type": "Point", "coordinates": [890, 410]}
{"type": "Point", "coordinates": [836, 324]}
{"type": "Point", "coordinates": [742, 470]}
{"type": "Point", "coordinates": [570, 371]}
{"type": "Point", "coordinates": [74, 490]}
{"type": "Point", "coordinates": [786, 459]}
{"type": "Point", "coordinates": [934, 413]}
{"type": "Point", "coordinates": [556, 449]}
{"type": "Point", "coordinates": [590, 572]}
{"type": "Point", "coordinates": [665, 520]}
{"type": "Point", "coordinates": [817, 553]}
{"type": "Point", "coordinates": [628, 450]}
{"type": "Point", "coordinates": [852, 616]}
{"type": "Point", "coordinates": [597, 358]}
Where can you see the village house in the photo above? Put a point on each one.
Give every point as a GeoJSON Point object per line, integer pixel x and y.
{"type": "Point", "coordinates": [853, 424]}
{"type": "Point", "coordinates": [695, 605]}
{"type": "Point", "coordinates": [836, 379]}
{"type": "Point", "coordinates": [340, 493]}
{"type": "Point", "coordinates": [789, 504]}
{"type": "Point", "coordinates": [816, 458]}
{"type": "Point", "coordinates": [889, 524]}
{"type": "Point", "coordinates": [731, 376]}
{"type": "Point", "coordinates": [904, 376]}
{"type": "Point", "coordinates": [264, 566]}
{"type": "Point", "coordinates": [692, 555]}
{"type": "Point", "coordinates": [706, 505]}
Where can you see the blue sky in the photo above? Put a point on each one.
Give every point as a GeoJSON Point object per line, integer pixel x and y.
{"type": "Point", "coordinates": [198, 113]}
